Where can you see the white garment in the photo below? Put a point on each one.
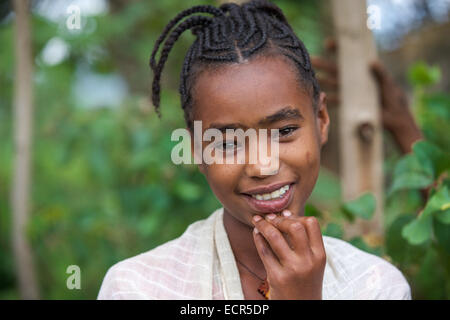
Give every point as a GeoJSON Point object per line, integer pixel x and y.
{"type": "Point", "coordinates": [200, 265]}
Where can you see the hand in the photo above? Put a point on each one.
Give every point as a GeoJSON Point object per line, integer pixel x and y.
{"type": "Point", "coordinates": [294, 269]}
{"type": "Point", "coordinates": [396, 115]}
{"type": "Point", "coordinates": [395, 112]}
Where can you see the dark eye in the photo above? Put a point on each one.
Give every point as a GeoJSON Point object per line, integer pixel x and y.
{"type": "Point", "coordinates": [286, 131]}
{"type": "Point", "coordinates": [228, 146]}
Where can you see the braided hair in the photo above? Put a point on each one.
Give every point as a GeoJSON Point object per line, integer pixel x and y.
{"type": "Point", "coordinates": [233, 35]}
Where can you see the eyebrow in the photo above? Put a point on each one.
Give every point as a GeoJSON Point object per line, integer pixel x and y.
{"type": "Point", "coordinates": [287, 113]}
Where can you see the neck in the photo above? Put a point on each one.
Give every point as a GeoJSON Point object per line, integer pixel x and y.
{"type": "Point", "coordinates": [240, 236]}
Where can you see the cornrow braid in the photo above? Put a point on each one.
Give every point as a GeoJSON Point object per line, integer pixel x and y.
{"type": "Point", "coordinates": [234, 34]}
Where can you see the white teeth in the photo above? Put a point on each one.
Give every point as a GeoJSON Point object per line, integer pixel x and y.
{"type": "Point", "coordinates": [274, 195]}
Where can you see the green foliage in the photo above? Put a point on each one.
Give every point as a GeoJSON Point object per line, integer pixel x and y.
{"type": "Point", "coordinates": [420, 168]}
{"type": "Point", "coordinates": [398, 248]}
{"type": "Point", "coordinates": [410, 174]}
{"type": "Point", "coordinates": [360, 243]}
{"type": "Point", "coordinates": [431, 109]}
{"type": "Point", "coordinates": [363, 207]}
{"type": "Point", "coordinates": [437, 164]}
{"type": "Point", "coordinates": [423, 75]}
{"type": "Point", "coordinates": [417, 236]}
{"type": "Point", "coordinates": [418, 242]}
{"type": "Point", "coordinates": [333, 230]}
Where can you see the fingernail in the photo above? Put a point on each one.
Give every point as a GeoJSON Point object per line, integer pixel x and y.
{"type": "Point", "coordinates": [256, 231]}
{"type": "Point", "coordinates": [271, 216]}
{"type": "Point", "coordinates": [256, 218]}
{"type": "Point", "coordinates": [286, 213]}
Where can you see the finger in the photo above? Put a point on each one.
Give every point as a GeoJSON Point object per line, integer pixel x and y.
{"type": "Point", "coordinates": [268, 258]}
{"type": "Point", "coordinates": [322, 64]}
{"type": "Point", "coordinates": [275, 239]}
{"type": "Point", "coordinates": [294, 227]}
{"type": "Point", "coordinates": [380, 73]}
{"type": "Point", "coordinates": [315, 236]}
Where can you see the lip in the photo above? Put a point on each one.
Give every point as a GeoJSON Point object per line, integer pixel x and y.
{"type": "Point", "coordinates": [266, 189]}
{"type": "Point", "coordinates": [271, 206]}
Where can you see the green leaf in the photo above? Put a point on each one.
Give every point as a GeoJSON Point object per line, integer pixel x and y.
{"type": "Point", "coordinates": [443, 216]}
{"type": "Point", "coordinates": [362, 207]}
{"type": "Point", "coordinates": [345, 214]}
{"type": "Point", "coordinates": [431, 157]}
{"type": "Point", "coordinates": [362, 245]}
{"type": "Point", "coordinates": [440, 201]}
{"type": "Point", "coordinates": [398, 248]}
{"type": "Point", "coordinates": [418, 231]}
{"type": "Point", "coordinates": [188, 191]}
{"type": "Point", "coordinates": [433, 116]}
{"type": "Point", "coordinates": [149, 224]}
{"type": "Point", "coordinates": [421, 74]}
{"type": "Point", "coordinates": [333, 230]}
{"type": "Point", "coordinates": [442, 233]}
{"type": "Point", "coordinates": [312, 211]}
{"type": "Point", "coordinates": [431, 278]}
{"type": "Point", "coordinates": [409, 173]}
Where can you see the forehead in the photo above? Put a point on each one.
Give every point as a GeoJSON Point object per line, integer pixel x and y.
{"type": "Point", "coordinates": [247, 92]}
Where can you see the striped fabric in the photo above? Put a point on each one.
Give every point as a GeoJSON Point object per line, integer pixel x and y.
{"type": "Point", "coordinates": [200, 265]}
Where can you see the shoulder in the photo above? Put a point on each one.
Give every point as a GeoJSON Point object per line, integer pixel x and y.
{"type": "Point", "coordinates": [364, 275]}
{"type": "Point", "coordinates": [160, 273]}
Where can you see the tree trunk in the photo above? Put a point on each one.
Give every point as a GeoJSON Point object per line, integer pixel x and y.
{"type": "Point", "coordinates": [360, 136]}
{"type": "Point", "coordinates": [23, 110]}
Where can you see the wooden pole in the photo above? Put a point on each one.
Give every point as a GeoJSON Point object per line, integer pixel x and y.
{"type": "Point", "coordinates": [361, 155]}
{"type": "Point", "coordinates": [23, 110]}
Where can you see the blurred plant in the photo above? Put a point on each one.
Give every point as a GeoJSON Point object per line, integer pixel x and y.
{"type": "Point", "coordinates": [417, 243]}
{"type": "Point", "coordinates": [420, 243]}
{"type": "Point", "coordinates": [417, 238]}
{"type": "Point", "coordinates": [431, 109]}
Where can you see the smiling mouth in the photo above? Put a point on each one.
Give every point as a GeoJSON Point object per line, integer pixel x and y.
{"type": "Point", "coordinates": [270, 202]}
{"type": "Point", "coordinates": [271, 195]}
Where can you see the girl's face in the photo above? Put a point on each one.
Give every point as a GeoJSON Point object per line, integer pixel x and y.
{"type": "Point", "coordinates": [262, 94]}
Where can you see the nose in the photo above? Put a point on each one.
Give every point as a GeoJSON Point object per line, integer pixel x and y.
{"type": "Point", "coordinates": [259, 164]}
{"type": "Point", "coordinates": [260, 171]}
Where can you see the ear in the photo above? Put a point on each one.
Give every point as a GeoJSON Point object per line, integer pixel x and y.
{"type": "Point", "coordinates": [197, 157]}
{"type": "Point", "coordinates": [323, 119]}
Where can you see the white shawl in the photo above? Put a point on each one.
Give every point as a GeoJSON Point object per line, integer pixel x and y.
{"type": "Point", "coordinates": [200, 264]}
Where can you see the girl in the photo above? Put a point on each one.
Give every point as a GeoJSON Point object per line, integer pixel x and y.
{"type": "Point", "coordinates": [247, 69]}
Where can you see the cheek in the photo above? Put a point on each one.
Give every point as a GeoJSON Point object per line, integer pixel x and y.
{"type": "Point", "coordinates": [303, 156]}
{"type": "Point", "coordinates": [312, 158]}
{"type": "Point", "coordinates": [304, 161]}
{"type": "Point", "coordinates": [222, 179]}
